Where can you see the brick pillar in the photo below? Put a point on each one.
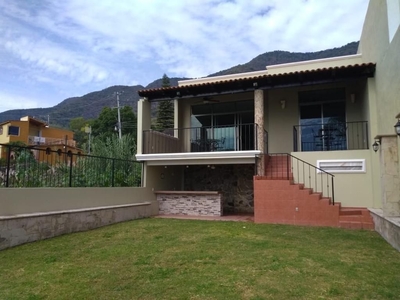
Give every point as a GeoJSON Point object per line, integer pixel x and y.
{"type": "Point", "coordinates": [390, 176]}
{"type": "Point", "coordinates": [259, 120]}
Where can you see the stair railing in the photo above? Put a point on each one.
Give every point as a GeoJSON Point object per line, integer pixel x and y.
{"type": "Point", "coordinates": [287, 166]}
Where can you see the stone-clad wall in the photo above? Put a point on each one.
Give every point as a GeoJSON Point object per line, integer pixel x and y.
{"type": "Point", "coordinates": [390, 176]}
{"type": "Point", "coordinates": [191, 204]}
{"type": "Point", "coordinates": [17, 230]}
{"type": "Point", "coordinates": [235, 182]}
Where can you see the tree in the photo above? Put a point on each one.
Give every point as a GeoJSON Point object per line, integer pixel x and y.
{"type": "Point", "coordinates": [113, 147]}
{"type": "Point", "coordinates": [123, 170]}
{"type": "Point", "coordinates": [77, 125]}
{"type": "Point", "coordinates": [17, 147]}
{"type": "Point", "coordinates": [107, 122]}
{"type": "Point", "coordinates": [165, 110]}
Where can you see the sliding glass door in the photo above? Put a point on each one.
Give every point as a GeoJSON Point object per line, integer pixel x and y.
{"type": "Point", "coordinates": [224, 132]}
{"type": "Point", "coordinates": [225, 126]}
{"type": "Point", "coordinates": [323, 126]}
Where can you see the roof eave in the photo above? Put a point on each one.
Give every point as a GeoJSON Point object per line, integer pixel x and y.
{"type": "Point", "coordinates": [318, 76]}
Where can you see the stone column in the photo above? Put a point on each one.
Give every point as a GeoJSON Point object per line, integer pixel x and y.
{"type": "Point", "coordinates": [143, 122]}
{"type": "Point", "coordinates": [390, 179]}
{"type": "Point", "coordinates": [176, 118]}
{"type": "Point", "coordinates": [259, 120]}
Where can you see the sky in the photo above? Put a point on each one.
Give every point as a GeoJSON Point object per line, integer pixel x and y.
{"type": "Point", "coordinates": [51, 50]}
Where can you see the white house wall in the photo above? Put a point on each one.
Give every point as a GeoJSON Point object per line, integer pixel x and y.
{"type": "Point", "coordinates": [351, 189]}
{"type": "Point", "coordinates": [375, 47]}
{"type": "Point", "coordinates": [280, 121]}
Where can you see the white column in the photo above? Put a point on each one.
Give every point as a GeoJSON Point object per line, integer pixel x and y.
{"type": "Point", "coordinates": [259, 120]}
{"type": "Point", "coordinates": [143, 122]}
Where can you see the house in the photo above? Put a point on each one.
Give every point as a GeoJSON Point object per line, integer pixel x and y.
{"type": "Point", "coordinates": [36, 133]}
{"type": "Point", "coordinates": [304, 129]}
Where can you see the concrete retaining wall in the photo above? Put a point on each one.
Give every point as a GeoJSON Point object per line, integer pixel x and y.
{"type": "Point", "coordinates": [19, 229]}
{"type": "Point", "coordinates": [31, 214]}
{"type": "Point", "coordinates": [387, 227]}
{"type": "Point", "coordinates": [16, 201]}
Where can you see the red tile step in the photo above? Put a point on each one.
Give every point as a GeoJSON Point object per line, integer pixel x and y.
{"type": "Point", "coordinates": [355, 218]}
{"type": "Point", "coordinates": [278, 200]}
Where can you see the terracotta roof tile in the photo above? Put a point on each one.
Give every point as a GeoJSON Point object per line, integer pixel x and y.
{"type": "Point", "coordinates": [365, 69]}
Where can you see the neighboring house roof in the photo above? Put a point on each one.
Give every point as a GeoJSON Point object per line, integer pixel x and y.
{"type": "Point", "coordinates": [316, 76]}
{"type": "Point", "coordinates": [36, 122]}
{"type": "Point", "coordinates": [25, 119]}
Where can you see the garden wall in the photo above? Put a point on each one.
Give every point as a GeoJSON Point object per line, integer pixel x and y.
{"type": "Point", "coordinates": [32, 214]}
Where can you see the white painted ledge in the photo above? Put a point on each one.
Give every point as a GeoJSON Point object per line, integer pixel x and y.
{"type": "Point", "coordinates": [199, 157]}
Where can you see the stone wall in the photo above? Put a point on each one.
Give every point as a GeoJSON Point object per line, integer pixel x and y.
{"type": "Point", "coordinates": [390, 177]}
{"type": "Point", "coordinates": [191, 204]}
{"type": "Point", "coordinates": [20, 229]}
{"type": "Point", "coordinates": [235, 182]}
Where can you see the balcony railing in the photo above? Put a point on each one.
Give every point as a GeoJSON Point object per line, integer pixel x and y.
{"type": "Point", "coordinates": [38, 140]}
{"type": "Point", "coordinates": [201, 139]}
{"type": "Point", "coordinates": [331, 136]}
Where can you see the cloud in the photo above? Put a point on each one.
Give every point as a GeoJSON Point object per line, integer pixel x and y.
{"type": "Point", "coordinates": [48, 57]}
{"type": "Point", "coordinates": [12, 101]}
{"type": "Point", "coordinates": [81, 45]}
{"type": "Point", "coordinates": [195, 39]}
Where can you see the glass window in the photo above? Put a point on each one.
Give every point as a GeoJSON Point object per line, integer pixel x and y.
{"type": "Point", "coordinates": [338, 94]}
{"type": "Point", "coordinates": [224, 107]}
{"type": "Point", "coordinates": [245, 105]}
{"type": "Point", "coordinates": [13, 130]}
{"type": "Point", "coordinates": [1, 130]}
{"type": "Point", "coordinates": [323, 126]}
{"type": "Point", "coordinates": [201, 109]}
{"type": "Point", "coordinates": [201, 121]}
{"type": "Point", "coordinates": [223, 126]}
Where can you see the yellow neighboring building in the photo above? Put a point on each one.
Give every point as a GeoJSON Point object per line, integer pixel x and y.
{"type": "Point", "coordinates": [34, 132]}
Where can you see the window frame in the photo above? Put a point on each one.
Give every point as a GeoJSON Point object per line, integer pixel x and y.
{"type": "Point", "coordinates": [13, 126]}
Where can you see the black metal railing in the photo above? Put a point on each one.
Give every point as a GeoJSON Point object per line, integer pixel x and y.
{"type": "Point", "coordinates": [331, 136]}
{"type": "Point", "coordinates": [201, 139]}
{"type": "Point", "coordinates": [287, 166]}
{"type": "Point", "coordinates": [22, 167]}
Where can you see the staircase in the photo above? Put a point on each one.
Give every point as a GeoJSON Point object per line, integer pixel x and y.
{"type": "Point", "coordinates": [355, 218]}
{"type": "Point", "coordinates": [277, 199]}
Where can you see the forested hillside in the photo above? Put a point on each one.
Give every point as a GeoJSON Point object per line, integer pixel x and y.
{"type": "Point", "coordinates": [90, 105]}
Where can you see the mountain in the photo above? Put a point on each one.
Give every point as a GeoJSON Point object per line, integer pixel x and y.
{"type": "Point", "coordinates": [87, 106]}
{"type": "Point", "coordinates": [158, 82]}
{"type": "Point", "coordinates": [90, 105]}
{"type": "Point", "coordinates": [282, 57]}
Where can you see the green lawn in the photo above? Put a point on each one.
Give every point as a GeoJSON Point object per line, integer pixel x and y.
{"type": "Point", "coordinates": [179, 259]}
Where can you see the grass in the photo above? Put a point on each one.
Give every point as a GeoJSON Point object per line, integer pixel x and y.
{"type": "Point", "coordinates": [178, 259]}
